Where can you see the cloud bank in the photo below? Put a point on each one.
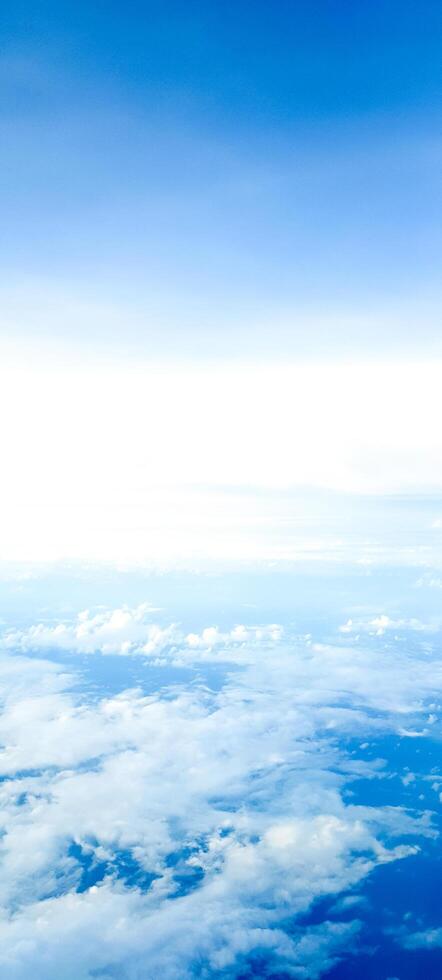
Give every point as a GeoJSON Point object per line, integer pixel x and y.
{"type": "Point", "coordinates": [183, 832]}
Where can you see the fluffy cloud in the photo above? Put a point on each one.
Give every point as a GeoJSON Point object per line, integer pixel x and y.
{"type": "Point", "coordinates": [131, 631]}
{"type": "Point", "coordinates": [180, 832]}
{"type": "Point", "coordinates": [382, 623]}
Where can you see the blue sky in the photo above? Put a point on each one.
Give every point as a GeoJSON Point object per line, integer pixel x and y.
{"type": "Point", "coordinates": [232, 207]}
{"type": "Point", "coordinates": [224, 179]}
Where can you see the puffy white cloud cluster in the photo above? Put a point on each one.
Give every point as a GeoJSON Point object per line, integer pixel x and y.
{"type": "Point", "coordinates": [229, 803]}
{"type": "Point", "coordinates": [131, 631]}
{"type": "Point", "coordinates": [379, 625]}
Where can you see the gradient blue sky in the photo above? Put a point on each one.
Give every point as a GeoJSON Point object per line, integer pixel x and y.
{"type": "Point", "coordinates": [191, 179]}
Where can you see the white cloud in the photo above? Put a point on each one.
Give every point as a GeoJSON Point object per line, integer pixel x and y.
{"type": "Point", "coordinates": [130, 631]}
{"type": "Point", "coordinates": [383, 623]}
{"type": "Point", "coordinates": [429, 582]}
{"type": "Point", "coordinates": [119, 631]}
{"type": "Point", "coordinates": [242, 785]}
{"type": "Point", "coordinates": [424, 939]}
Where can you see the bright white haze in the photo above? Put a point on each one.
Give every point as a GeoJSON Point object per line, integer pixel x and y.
{"type": "Point", "coordinates": [133, 461]}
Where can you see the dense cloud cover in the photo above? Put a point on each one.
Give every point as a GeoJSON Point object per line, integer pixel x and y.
{"type": "Point", "coordinates": [184, 830]}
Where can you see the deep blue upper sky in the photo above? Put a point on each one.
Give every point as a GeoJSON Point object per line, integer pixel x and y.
{"type": "Point", "coordinates": [196, 175]}
{"type": "Point", "coordinates": [249, 63]}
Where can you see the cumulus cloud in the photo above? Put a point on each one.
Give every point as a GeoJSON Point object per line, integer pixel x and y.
{"type": "Point", "coordinates": [128, 631]}
{"type": "Point", "coordinates": [379, 625]}
{"type": "Point", "coordinates": [205, 819]}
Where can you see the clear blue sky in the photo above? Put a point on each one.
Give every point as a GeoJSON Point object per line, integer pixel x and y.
{"type": "Point", "coordinates": [222, 178]}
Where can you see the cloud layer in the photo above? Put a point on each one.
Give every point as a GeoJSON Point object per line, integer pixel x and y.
{"type": "Point", "coordinates": [182, 832]}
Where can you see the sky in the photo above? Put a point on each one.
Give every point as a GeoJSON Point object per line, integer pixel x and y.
{"type": "Point", "coordinates": [163, 463]}
{"type": "Point", "coordinates": [222, 180]}
{"type": "Point", "coordinates": [220, 501]}
{"type": "Point", "coordinates": [230, 215]}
